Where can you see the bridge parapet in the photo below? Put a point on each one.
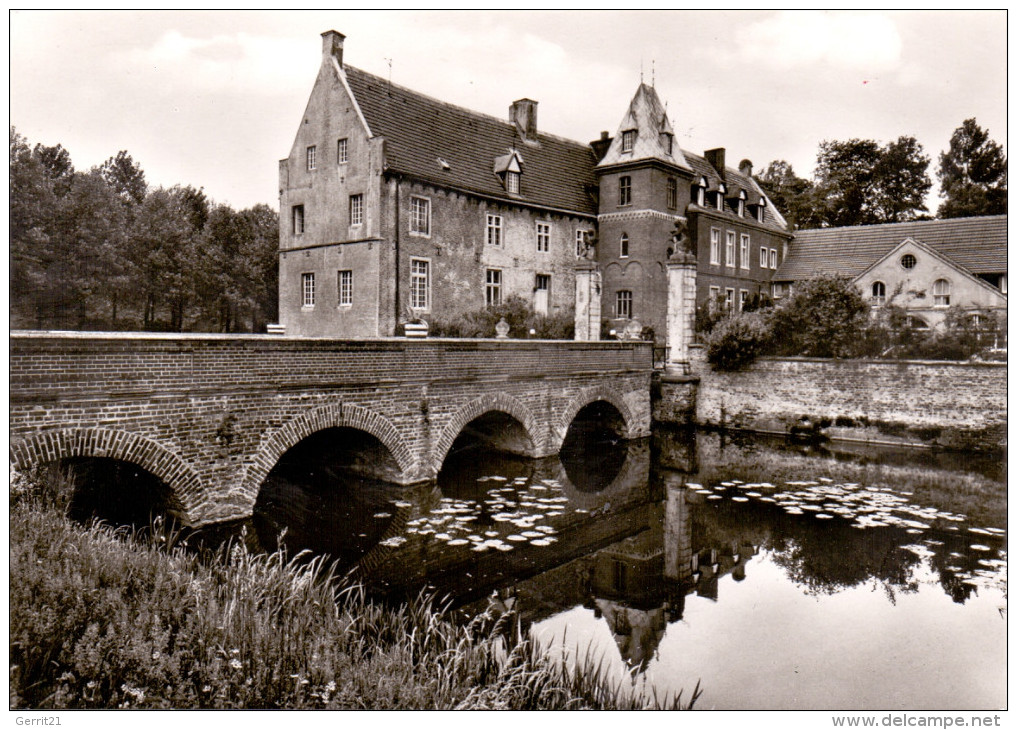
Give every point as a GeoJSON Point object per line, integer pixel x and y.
{"type": "Point", "coordinates": [226, 406]}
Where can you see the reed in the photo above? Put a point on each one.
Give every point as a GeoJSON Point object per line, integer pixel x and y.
{"type": "Point", "coordinates": [113, 618]}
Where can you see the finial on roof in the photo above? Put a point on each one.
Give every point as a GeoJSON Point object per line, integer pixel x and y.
{"type": "Point", "coordinates": [653, 73]}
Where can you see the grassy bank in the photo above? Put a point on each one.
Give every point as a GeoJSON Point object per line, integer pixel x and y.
{"type": "Point", "coordinates": [101, 619]}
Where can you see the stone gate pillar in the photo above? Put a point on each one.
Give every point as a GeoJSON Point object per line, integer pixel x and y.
{"type": "Point", "coordinates": [677, 535]}
{"type": "Point", "coordinates": [588, 286]}
{"type": "Point", "coordinates": [681, 310]}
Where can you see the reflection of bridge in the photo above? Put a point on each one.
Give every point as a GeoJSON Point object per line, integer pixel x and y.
{"type": "Point", "coordinates": [211, 415]}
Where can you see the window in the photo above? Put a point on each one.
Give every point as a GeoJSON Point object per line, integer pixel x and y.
{"type": "Point", "coordinates": [728, 300]}
{"type": "Point", "coordinates": [721, 192]}
{"type": "Point", "coordinates": [624, 249]}
{"type": "Point", "coordinates": [624, 190]}
{"type": "Point", "coordinates": [743, 296]}
{"type": "Point", "coordinates": [628, 140]}
{"type": "Point", "coordinates": [1002, 284]}
{"type": "Point", "coordinates": [711, 303]}
{"type": "Point", "coordinates": [512, 181]}
{"type": "Point", "coordinates": [307, 290]}
{"type": "Point", "coordinates": [916, 323]}
{"type": "Point", "coordinates": [878, 294]}
{"type": "Point", "coordinates": [729, 249]}
{"type": "Point", "coordinates": [542, 292]}
{"type": "Point", "coordinates": [941, 293]}
{"type": "Point", "coordinates": [492, 290]}
{"type": "Point", "coordinates": [493, 230]}
{"type": "Point", "coordinates": [420, 216]}
{"type": "Point", "coordinates": [763, 258]}
{"type": "Point", "coordinates": [908, 261]}
{"type": "Point", "coordinates": [623, 304]}
{"type": "Point", "coordinates": [667, 141]}
{"type": "Point", "coordinates": [357, 209]}
{"type": "Point", "coordinates": [672, 193]}
{"type": "Point", "coordinates": [715, 246]}
{"type": "Point", "coordinates": [745, 251]}
{"type": "Point", "coordinates": [761, 210]}
{"type": "Point", "coordinates": [543, 237]}
{"type": "Point", "coordinates": [312, 154]}
{"type": "Point", "coordinates": [298, 219]}
{"type": "Point", "coordinates": [344, 284]}
{"type": "Point", "coordinates": [342, 152]}
{"type": "Point", "coordinates": [420, 284]}
{"type": "Point", "coordinates": [741, 204]}
{"type": "Point", "coordinates": [773, 259]}
{"type": "Point", "coordinates": [701, 196]}
{"type": "Point", "coordinates": [778, 291]}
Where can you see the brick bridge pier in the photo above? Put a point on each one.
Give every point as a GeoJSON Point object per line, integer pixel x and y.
{"type": "Point", "coordinates": [211, 415]}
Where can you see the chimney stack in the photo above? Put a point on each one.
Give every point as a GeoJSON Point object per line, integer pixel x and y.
{"type": "Point", "coordinates": [332, 45]}
{"type": "Point", "coordinates": [716, 159]}
{"type": "Point", "coordinates": [745, 168]}
{"type": "Point", "coordinates": [601, 146]}
{"type": "Point", "coordinates": [523, 113]}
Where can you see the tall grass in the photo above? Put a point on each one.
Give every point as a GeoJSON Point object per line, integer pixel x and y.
{"type": "Point", "coordinates": [102, 619]}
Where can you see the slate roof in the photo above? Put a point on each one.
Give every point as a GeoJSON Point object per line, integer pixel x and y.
{"type": "Point", "coordinates": [735, 181]}
{"type": "Point", "coordinates": [557, 173]}
{"type": "Point", "coordinates": [975, 244]}
{"type": "Point", "coordinates": [648, 117]}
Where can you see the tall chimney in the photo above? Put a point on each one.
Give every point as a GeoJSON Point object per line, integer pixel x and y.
{"type": "Point", "coordinates": [523, 113]}
{"type": "Point", "coordinates": [332, 45]}
{"type": "Point", "coordinates": [745, 168]}
{"type": "Point", "coordinates": [716, 159]}
{"type": "Point", "coordinates": [600, 146]}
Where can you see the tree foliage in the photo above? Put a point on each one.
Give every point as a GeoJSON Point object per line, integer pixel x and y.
{"type": "Point", "coordinates": [100, 250]}
{"type": "Point", "coordinates": [795, 197]}
{"type": "Point", "coordinates": [972, 174]}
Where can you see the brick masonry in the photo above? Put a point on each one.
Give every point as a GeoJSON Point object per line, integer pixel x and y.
{"type": "Point", "coordinates": [211, 415]}
{"type": "Point", "coordinates": [947, 404]}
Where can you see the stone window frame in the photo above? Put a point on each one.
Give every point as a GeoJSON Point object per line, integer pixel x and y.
{"type": "Point", "coordinates": [493, 282]}
{"type": "Point", "coordinates": [543, 236]}
{"type": "Point", "coordinates": [344, 287]}
{"type": "Point", "coordinates": [356, 210]}
{"type": "Point", "coordinates": [494, 230]}
{"type": "Point", "coordinates": [307, 291]}
{"type": "Point", "coordinates": [729, 250]}
{"type": "Point", "coordinates": [312, 157]}
{"type": "Point", "coordinates": [623, 303]}
{"type": "Point", "coordinates": [299, 219]}
{"type": "Point", "coordinates": [623, 246]}
{"type": "Point", "coordinates": [745, 246]}
{"type": "Point", "coordinates": [908, 261]}
{"type": "Point", "coordinates": [715, 246]}
{"type": "Point", "coordinates": [764, 257]}
{"type": "Point", "coordinates": [415, 219]}
{"type": "Point", "coordinates": [420, 282]}
{"type": "Point", "coordinates": [729, 299]}
{"type": "Point", "coordinates": [773, 259]}
{"type": "Point", "coordinates": [342, 151]}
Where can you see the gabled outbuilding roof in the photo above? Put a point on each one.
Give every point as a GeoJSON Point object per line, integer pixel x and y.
{"type": "Point", "coordinates": [975, 244]}
{"type": "Point", "coordinates": [422, 132]}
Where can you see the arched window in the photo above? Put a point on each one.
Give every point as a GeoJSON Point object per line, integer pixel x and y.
{"type": "Point", "coordinates": [878, 294]}
{"type": "Point", "coordinates": [624, 251]}
{"type": "Point", "coordinates": [941, 293]}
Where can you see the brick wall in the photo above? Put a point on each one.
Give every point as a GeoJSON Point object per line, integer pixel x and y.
{"type": "Point", "coordinates": [211, 415]}
{"type": "Point", "coordinates": [958, 405]}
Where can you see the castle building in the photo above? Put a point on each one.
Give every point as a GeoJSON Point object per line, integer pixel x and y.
{"type": "Point", "coordinates": [396, 206]}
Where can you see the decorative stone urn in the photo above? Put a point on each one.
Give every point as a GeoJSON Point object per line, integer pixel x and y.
{"type": "Point", "coordinates": [501, 329]}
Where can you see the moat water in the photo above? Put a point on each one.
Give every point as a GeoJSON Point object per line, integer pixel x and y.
{"type": "Point", "coordinates": [776, 576]}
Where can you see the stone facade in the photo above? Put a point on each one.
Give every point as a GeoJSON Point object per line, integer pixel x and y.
{"type": "Point", "coordinates": [211, 415]}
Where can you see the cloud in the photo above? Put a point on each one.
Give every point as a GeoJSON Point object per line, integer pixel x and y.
{"type": "Point", "coordinates": [240, 62]}
{"type": "Point", "coordinates": [846, 40]}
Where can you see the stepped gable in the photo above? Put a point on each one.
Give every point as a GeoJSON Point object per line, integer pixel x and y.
{"type": "Point", "coordinates": [420, 132]}
{"type": "Point", "coordinates": [977, 245]}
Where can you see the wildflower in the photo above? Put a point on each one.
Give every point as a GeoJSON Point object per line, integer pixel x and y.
{"type": "Point", "coordinates": [236, 664]}
{"type": "Point", "coordinates": [156, 655]}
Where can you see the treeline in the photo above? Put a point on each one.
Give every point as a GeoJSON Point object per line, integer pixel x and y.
{"type": "Point", "coordinates": [101, 250]}
{"type": "Point", "coordinates": [861, 182]}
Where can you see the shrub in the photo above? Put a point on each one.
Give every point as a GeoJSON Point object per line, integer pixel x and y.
{"type": "Point", "coordinates": [519, 316]}
{"type": "Point", "coordinates": [737, 341]}
{"type": "Point", "coordinates": [825, 317]}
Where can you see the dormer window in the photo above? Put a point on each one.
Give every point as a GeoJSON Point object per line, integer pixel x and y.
{"type": "Point", "coordinates": [512, 182]}
{"type": "Point", "coordinates": [509, 168]}
{"type": "Point", "coordinates": [741, 204]}
{"type": "Point", "coordinates": [761, 210]}
{"type": "Point", "coordinates": [628, 140]}
{"type": "Point", "coordinates": [721, 192]}
{"type": "Point", "coordinates": [667, 142]}
{"type": "Point", "coordinates": [701, 192]}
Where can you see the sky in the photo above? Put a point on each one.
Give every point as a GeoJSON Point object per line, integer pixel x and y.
{"type": "Point", "coordinates": [214, 99]}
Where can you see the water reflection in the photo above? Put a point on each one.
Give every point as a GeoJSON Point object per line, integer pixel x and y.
{"type": "Point", "coordinates": [615, 544]}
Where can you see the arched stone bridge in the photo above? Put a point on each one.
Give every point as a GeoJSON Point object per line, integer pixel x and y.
{"type": "Point", "coordinates": [211, 415]}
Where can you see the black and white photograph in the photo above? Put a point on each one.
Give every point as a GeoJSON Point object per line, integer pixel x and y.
{"type": "Point", "coordinates": [515, 360]}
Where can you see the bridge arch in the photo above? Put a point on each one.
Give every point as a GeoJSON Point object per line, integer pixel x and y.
{"type": "Point", "coordinates": [592, 395]}
{"type": "Point", "coordinates": [475, 409]}
{"type": "Point", "coordinates": [336, 415]}
{"type": "Point", "coordinates": [48, 446]}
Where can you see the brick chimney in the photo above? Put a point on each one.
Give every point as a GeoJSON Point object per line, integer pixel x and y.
{"type": "Point", "coordinates": [523, 113]}
{"type": "Point", "coordinates": [601, 146]}
{"type": "Point", "coordinates": [716, 159]}
{"type": "Point", "coordinates": [332, 45]}
{"type": "Point", "coordinates": [745, 168]}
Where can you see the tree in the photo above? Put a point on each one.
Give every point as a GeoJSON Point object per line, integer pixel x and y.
{"type": "Point", "coordinates": [901, 181]}
{"type": "Point", "coordinates": [126, 177]}
{"type": "Point", "coordinates": [972, 174]}
{"type": "Point", "coordinates": [793, 196]}
{"type": "Point", "coordinates": [845, 181]}
{"type": "Point", "coordinates": [825, 317]}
